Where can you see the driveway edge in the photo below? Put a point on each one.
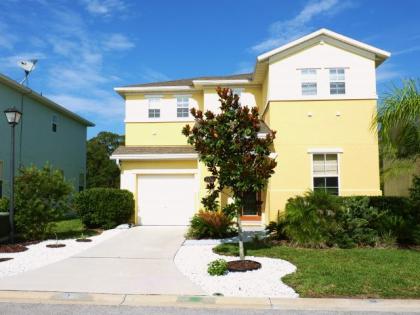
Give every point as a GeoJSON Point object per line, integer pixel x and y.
{"type": "Point", "coordinates": [308, 304]}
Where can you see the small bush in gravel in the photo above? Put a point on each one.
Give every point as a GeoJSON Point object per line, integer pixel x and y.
{"type": "Point", "coordinates": [211, 224]}
{"type": "Point", "coordinates": [104, 207]}
{"type": "Point", "coordinates": [218, 267]}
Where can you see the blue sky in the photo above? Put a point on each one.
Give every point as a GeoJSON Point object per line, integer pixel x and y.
{"type": "Point", "coordinates": [87, 47]}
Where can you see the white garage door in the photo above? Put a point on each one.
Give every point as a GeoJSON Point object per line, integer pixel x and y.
{"type": "Point", "coordinates": [166, 199]}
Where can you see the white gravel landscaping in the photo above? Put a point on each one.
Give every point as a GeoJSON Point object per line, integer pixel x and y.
{"type": "Point", "coordinates": [38, 255]}
{"type": "Point", "coordinates": [192, 261]}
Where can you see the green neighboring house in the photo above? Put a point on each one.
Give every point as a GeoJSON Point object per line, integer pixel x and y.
{"type": "Point", "coordinates": [47, 132]}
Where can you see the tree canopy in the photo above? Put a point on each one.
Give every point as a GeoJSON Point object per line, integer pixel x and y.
{"type": "Point", "coordinates": [101, 171]}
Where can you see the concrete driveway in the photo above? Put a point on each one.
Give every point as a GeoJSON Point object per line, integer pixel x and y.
{"type": "Point", "coordinates": [136, 261]}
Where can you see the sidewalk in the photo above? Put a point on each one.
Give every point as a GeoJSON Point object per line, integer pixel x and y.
{"type": "Point", "coordinates": [302, 304]}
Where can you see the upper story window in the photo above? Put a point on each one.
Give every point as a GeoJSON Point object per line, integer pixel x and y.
{"type": "Point", "coordinates": [325, 173]}
{"type": "Point", "coordinates": [182, 106]}
{"type": "Point", "coordinates": [337, 81]}
{"type": "Point", "coordinates": [309, 81]}
{"type": "Point", "coordinates": [154, 107]}
{"type": "Point", "coordinates": [237, 91]}
{"type": "Point", "coordinates": [54, 123]}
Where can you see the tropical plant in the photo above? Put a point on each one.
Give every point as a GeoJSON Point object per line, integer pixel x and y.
{"type": "Point", "coordinates": [311, 219]}
{"type": "Point", "coordinates": [398, 125]}
{"type": "Point", "coordinates": [100, 170]}
{"type": "Point", "coordinates": [42, 196]}
{"type": "Point", "coordinates": [210, 224]}
{"type": "Point", "coordinates": [275, 229]}
{"type": "Point", "coordinates": [228, 144]}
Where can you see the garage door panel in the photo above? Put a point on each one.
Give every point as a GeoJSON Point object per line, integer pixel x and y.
{"type": "Point", "coordinates": [166, 199]}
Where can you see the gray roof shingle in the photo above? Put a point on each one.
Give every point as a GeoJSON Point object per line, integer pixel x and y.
{"type": "Point", "coordinates": [189, 82]}
{"type": "Point", "coordinates": [126, 150]}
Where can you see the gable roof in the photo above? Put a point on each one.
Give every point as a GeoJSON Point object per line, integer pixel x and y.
{"type": "Point", "coordinates": [43, 100]}
{"type": "Point", "coordinates": [381, 55]}
{"type": "Point", "coordinates": [261, 64]}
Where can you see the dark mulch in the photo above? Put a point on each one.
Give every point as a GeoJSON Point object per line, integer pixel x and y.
{"type": "Point", "coordinates": [5, 259]}
{"type": "Point", "coordinates": [84, 240]}
{"type": "Point", "coordinates": [12, 248]}
{"type": "Point", "coordinates": [55, 245]}
{"type": "Point", "coordinates": [243, 265]}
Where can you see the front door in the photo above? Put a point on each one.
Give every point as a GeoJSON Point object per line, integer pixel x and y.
{"type": "Point", "coordinates": [252, 205]}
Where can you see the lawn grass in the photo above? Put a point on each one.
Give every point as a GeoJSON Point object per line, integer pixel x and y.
{"type": "Point", "coordinates": [359, 272]}
{"type": "Point", "coordinates": [73, 228]}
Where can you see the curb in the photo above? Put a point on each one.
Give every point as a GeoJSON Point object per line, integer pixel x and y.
{"type": "Point", "coordinates": [307, 304]}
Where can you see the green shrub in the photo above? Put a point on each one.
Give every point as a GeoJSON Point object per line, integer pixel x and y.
{"type": "Point", "coordinates": [211, 224]}
{"type": "Point", "coordinates": [218, 267]}
{"type": "Point", "coordinates": [358, 223]}
{"type": "Point", "coordinates": [275, 229]}
{"type": "Point", "coordinates": [311, 219]}
{"type": "Point", "coordinates": [104, 207]}
{"type": "Point", "coordinates": [4, 204]}
{"type": "Point", "coordinates": [42, 195]}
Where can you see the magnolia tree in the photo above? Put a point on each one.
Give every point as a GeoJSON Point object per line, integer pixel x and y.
{"type": "Point", "coordinates": [237, 158]}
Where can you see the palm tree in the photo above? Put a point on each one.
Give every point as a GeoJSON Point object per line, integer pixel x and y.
{"type": "Point", "coordinates": [398, 123]}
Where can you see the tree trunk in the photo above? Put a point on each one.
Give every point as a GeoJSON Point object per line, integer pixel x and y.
{"type": "Point", "coordinates": [240, 236]}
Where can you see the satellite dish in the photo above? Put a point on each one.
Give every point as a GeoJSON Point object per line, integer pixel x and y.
{"type": "Point", "coordinates": [28, 66]}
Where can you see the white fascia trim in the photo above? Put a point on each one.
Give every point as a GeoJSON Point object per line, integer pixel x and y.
{"type": "Point", "coordinates": [381, 53]}
{"type": "Point", "coordinates": [183, 156]}
{"type": "Point", "coordinates": [163, 171]}
{"type": "Point", "coordinates": [154, 89]}
{"type": "Point", "coordinates": [219, 82]}
{"type": "Point", "coordinates": [157, 120]}
{"type": "Point", "coordinates": [325, 150]}
{"type": "Point", "coordinates": [153, 95]}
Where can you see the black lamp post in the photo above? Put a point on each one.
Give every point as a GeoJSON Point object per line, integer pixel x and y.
{"type": "Point", "coordinates": [13, 117]}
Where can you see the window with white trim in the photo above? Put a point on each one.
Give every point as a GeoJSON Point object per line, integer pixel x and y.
{"type": "Point", "coordinates": [337, 81]}
{"type": "Point", "coordinates": [154, 107]}
{"type": "Point", "coordinates": [237, 91]}
{"type": "Point", "coordinates": [325, 173]}
{"type": "Point", "coordinates": [182, 106]}
{"type": "Point", "coordinates": [308, 81]}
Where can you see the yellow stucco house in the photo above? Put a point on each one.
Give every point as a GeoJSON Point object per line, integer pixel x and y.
{"type": "Point", "coordinates": [318, 92]}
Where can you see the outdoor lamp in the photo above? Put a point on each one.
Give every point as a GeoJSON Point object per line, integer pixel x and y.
{"type": "Point", "coordinates": [13, 115]}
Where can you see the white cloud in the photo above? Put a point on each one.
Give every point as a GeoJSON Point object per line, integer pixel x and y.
{"type": "Point", "coordinates": [387, 72]}
{"type": "Point", "coordinates": [104, 7]}
{"type": "Point", "coordinates": [7, 39]}
{"type": "Point", "coordinates": [109, 106]}
{"type": "Point", "coordinates": [284, 31]}
{"type": "Point", "coordinates": [406, 51]}
{"type": "Point", "coordinates": [117, 42]}
{"type": "Point", "coordinates": [151, 75]}
{"type": "Point", "coordinates": [244, 67]}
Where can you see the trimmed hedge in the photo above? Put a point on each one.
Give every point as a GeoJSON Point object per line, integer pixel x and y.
{"type": "Point", "coordinates": [104, 207]}
{"type": "Point", "coordinates": [4, 224]}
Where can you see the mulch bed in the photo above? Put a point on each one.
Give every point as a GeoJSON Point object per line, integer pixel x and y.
{"type": "Point", "coordinates": [243, 265]}
{"type": "Point", "coordinates": [12, 248]}
{"type": "Point", "coordinates": [5, 259]}
{"type": "Point", "coordinates": [83, 240]}
{"type": "Point", "coordinates": [55, 245]}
